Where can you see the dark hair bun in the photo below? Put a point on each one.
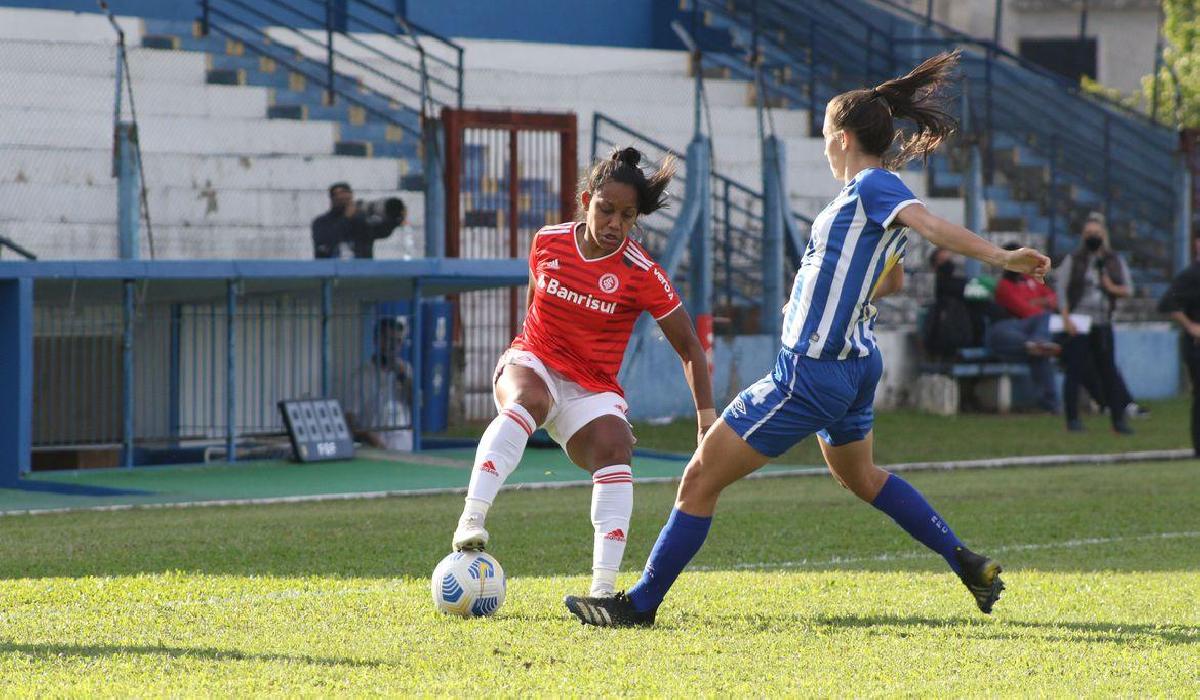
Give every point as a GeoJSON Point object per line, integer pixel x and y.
{"type": "Point", "coordinates": [629, 156]}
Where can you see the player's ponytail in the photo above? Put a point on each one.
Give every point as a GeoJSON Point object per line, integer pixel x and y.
{"type": "Point", "coordinates": [916, 97]}
{"type": "Point", "coordinates": [622, 166]}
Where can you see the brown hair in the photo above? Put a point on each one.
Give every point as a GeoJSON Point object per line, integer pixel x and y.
{"type": "Point", "coordinates": [622, 166]}
{"type": "Point", "coordinates": [917, 97]}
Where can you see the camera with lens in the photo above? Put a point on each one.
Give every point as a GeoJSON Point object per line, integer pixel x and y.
{"type": "Point", "coordinates": [389, 210]}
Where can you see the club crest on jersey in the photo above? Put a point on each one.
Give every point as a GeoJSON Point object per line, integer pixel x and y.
{"type": "Point", "coordinates": [609, 283]}
{"type": "Point", "coordinates": [552, 265]}
{"type": "Point", "coordinates": [554, 288]}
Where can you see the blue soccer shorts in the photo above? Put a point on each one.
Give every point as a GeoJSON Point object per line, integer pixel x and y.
{"type": "Point", "coordinates": [802, 396]}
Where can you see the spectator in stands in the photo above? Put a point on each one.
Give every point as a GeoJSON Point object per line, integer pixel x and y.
{"type": "Point", "coordinates": [1090, 280]}
{"type": "Point", "coordinates": [1182, 302]}
{"type": "Point", "coordinates": [378, 392]}
{"type": "Point", "coordinates": [1026, 334]}
{"type": "Point", "coordinates": [948, 325]}
{"type": "Point", "coordinates": [350, 228]}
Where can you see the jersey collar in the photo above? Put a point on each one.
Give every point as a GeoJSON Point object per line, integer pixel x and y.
{"type": "Point", "coordinates": [575, 239]}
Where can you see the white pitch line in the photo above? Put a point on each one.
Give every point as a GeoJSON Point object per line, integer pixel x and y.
{"type": "Point", "coordinates": [904, 556]}
{"type": "Point", "coordinates": [1000, 463]}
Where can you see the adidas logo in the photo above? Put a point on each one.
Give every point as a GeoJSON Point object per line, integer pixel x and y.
{"type": "Point", "coordinates": [617, 535]}
{"type": "Point", "coordinates": [552, 265]}
{"type": "Point", "coordinates": [489, 468]}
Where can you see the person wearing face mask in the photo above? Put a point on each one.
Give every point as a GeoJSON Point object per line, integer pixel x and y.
{"type": "Point", "coordinates": [377, 397]}
{"type": "Point", "coordinates": [1026, 335]}
{"type": "Point", "coordinates": [1091, 280]}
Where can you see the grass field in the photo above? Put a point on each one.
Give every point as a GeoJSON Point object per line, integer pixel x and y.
{"type": "Point", "coordinates": [964, 436]}
{"type": "Point", "coordinates": [800, 590]}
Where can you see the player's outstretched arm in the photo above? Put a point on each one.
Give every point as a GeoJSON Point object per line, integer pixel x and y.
{"type": "Point", "coordinates": [680, 332]}
{"type": "Point", "coordinates": [957, 239]}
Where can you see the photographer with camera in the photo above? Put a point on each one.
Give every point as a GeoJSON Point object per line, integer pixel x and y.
{"type": "Point", "coordinates": [1090, 280]}
{"type": "Point", "coordinates": [350, 228]}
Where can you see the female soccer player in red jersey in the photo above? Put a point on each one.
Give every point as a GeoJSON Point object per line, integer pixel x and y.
{"type": "Point", "coordinates": [588, 283]}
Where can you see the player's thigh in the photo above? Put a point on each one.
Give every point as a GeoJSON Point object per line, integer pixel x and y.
{"type": "Point", "coordinates": [603, 442]}
{"type": "Point", "coordinates": [853, 465]}
{"type": "Point", "coordinates": [523, 385]}
{"type": "Point", "coordinates": [722, 458]}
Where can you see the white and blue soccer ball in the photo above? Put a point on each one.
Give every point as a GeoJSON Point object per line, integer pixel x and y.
{"type": "Point", "coordinates": [469, 584]}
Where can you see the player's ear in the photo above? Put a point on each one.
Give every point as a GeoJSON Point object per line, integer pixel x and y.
{"type": "Point", "coordinates": [585, 198]}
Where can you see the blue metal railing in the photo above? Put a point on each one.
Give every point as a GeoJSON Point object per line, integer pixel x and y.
{"type": "Point", "coordinates": [1115, 159]}
{"type": "Point", "coordinates": [423, 66]}
{"type": "Point", "coordinates": [737, 212]}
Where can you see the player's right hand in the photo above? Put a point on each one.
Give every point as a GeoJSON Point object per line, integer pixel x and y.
{"type": "Point", "coordinates": [1027, 261]}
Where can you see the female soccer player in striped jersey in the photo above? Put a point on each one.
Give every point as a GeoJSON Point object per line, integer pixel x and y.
{"type": "Point", "coordinates": [588, 283]}
{"type": "Point", "coordinates": [825, 375]}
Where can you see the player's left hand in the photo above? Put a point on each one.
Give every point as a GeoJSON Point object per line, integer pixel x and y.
{"type": "Point", "coordinates": [1027, 261]}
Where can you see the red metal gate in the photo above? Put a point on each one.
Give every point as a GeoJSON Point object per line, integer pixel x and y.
{"type": "Point", "coordinates": [508, 174]}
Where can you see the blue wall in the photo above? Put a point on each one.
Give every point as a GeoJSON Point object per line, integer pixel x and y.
{"type": "Point", "coordinates": [625, 23]}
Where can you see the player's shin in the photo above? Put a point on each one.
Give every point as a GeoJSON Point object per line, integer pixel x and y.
{"type": "Point", "coordinates": [612, 505]}
{"type": "Point", "coordinates": [498, 454]}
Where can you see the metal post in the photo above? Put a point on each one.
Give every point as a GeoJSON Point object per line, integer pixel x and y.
{"type": "Point", "coordinates": [989, 161]}
{"type": "Point", "coordinates": [774, 211]}
{"type": "Point", "coordinates": [231, 291]}
{"type": "Point", "coordinates": [418, 355]}
{"type": "Point", "coordinates": [16, 376]}
{"type": "Point", "coordinates": [127, 382]}
{"type": "Point", "coordinates": [998, 23]}
{"type": "Point", "coordinates": [1183, 227]}
{"type": "Point", "coordinates": [1052, 236]}
{"type": "Point", "coordinates": [326, 338]}
{"type": "Point", "coordinates": [128, 191]}
{"type": "Point", "coordinates": [813, 128]}
{"type": "Point", "coordinates": [176, 371]}
{"type": "Point", "coordinates": [435, 190]}
{"type": "Point", "coordinates": [973, 185]}
{"type": "Point", "coordinates": [1107, 168]}
{"type": "Point", "coordinates": [1158, 61]}
{"type": "Point", "coordinates": [459, 72]}
{"type": "Point", "coordinates": [928, 13]}
{"type": "Point", "coordinates": [700, 265]}
{"type": "Point", "coordinates": [330, 98]}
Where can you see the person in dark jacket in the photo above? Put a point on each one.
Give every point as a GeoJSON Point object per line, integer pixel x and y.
{"type": "Point", "coordinates": [346, 230]}
{"type": "Point", "coordinates": [1090, 280]}
{"type": "Point", "coordinates": [1182, 302]}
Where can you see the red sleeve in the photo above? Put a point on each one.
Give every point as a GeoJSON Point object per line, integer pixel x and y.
{"type": "Point", "coordinates": [1008, 295]}
{"type": "Point", "coordinates": [658, 296]}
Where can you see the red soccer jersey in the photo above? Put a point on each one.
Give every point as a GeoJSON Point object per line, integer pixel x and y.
{"type": "Point", "coordinates": [583, 311]}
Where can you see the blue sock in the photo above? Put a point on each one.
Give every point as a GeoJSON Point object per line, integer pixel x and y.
{"type": "Point", "coordinates": [678, 542]}
{"type": "Point", "coordinates": [912, 512]}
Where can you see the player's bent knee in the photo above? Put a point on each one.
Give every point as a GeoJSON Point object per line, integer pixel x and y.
{"type": "Point", "coordinates": [699, 485]}
{"type": "Point", "coordinates": [534, 401]}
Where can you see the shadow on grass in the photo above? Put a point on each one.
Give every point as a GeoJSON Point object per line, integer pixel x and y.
{"type": "Point", "coordinates": [47, 651]}
{"type": "Point", "coordinates": [979, 627]}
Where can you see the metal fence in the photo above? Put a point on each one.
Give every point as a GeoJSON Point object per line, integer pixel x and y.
{"type": "Point", "coordinates": [209, 372]}
{"type": "Point", "coordinates": [737, 219]}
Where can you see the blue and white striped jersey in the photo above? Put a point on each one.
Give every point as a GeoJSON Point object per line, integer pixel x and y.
{"type": "Point", "coordinates": [852, 246]}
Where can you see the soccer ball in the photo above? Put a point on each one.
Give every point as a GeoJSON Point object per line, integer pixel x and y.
{"type": "Point", "coordinates": [469, 584]}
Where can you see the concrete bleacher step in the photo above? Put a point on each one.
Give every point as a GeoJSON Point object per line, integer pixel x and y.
{"type": "Point", "coordinates": [86, 166]}
{"type": "Point", "coordinates": [168, 133]}
{"type": "Point", "coordinates": [183, 206]}
{"type": "Point", "coordinates": [94, 94]}
{"type": "Point", "coordinates": [42, 57]}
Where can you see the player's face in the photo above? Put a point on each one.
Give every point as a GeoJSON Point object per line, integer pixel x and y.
{"type": "Point", "coordinates": [835, 151]}
{"type": "Point", "coordinates": [611, 213]}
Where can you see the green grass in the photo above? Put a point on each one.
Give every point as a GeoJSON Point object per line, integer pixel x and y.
{"type": "Point", "coordinates": [800, 590]}
{"type": "Point", "coordinates": [910, 436]}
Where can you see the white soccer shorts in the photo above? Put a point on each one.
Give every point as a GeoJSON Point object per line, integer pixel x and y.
{"type": "Point", "coordinates": [573, 406]}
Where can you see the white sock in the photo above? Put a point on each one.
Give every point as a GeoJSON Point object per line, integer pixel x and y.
{"type": "Point", "coordinates": [499, 451]}
{"type": "Point", "coordinates": [612, 505]}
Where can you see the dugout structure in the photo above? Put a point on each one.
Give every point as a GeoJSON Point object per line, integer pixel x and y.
{"type": "Point", "coordinates": [125, 353]}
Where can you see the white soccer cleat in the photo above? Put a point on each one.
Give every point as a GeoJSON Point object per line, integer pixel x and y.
{"type": "Point", "coordinates": [470, 534]}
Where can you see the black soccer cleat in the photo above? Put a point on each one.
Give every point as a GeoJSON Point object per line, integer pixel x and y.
{"type": "Point", "coordinates": [981, 576]}
{"type": "Point", "coordinates": [614, 611]}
